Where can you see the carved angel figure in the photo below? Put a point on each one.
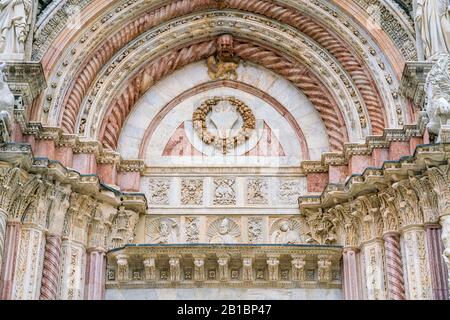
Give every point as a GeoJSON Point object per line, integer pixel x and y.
{"type": "Point", "coordinates": [286, 232]}
{"type": "Point", "coordinates": [433, 18]}
{"type": "Point", "coordinates": [15, 20]}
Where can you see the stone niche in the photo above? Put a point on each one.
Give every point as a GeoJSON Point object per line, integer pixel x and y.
{"type": "Point", "coordinates": [224, 272]}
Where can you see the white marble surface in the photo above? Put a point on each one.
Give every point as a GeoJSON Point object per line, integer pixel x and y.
{"type": "Point", "coordinates": [223, 294]}
{"type": "Point", "coordinates": [195, 74]}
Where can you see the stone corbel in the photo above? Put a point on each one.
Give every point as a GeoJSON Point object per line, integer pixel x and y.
{"type": "Point", "coordinates": [298, 267]}
{"type": "Point", "coordinates": [223, 262]}
{"type": "Point", "coordinates": [199, 267]}
{"type": "Point", "coordinates": [273, 263]}
{"type": "Point", "coordinates": [324, 263]}
{"type": "Point", "coordinates": [122, 268]}
{"type": "Point", "coordinates": [247, 268]}
{"type": "Point", "coordinates": [149, 268]}
{"type": "Point", "coordinates": [175, 268]}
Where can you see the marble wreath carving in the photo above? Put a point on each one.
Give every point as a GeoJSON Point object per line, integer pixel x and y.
{"type": "Point", "coordinates": [224, 113]}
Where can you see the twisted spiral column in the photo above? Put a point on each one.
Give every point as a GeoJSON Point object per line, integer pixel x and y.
{"type": "Point", "coordinates": [52, 267]}
{"type": "Point", "coordinates": [394, 266]}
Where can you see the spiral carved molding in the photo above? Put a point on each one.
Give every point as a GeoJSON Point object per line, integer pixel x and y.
{"type": "Point", "coordinates": [92, 65]}
{"type": "Point", "coordinates": [394, 267]}
{"type": "Point", "coordinates": [298, 75]}
{"type": "Point", "coordinates": [50, 273]}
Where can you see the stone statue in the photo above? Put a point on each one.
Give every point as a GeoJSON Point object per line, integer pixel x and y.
{"type": "Point", "coordinates": [298, 269]}
{"type": "Point", "coordinates": [286, 233]}
{"type": "Point", "coordinates": [223, 268]}
{"type": "Point", "coordinates": [223, 231]}
{"type": "Point", "coordinates": [247, 270]}
{"type": "Point", "coordinates": [15, 20]}
{"type": "Point", "coordinates": [224, 65]}
{"type": "Point", "coordinates": [272, 264]}
{"type": "Point", "coordinates": [438, 94]}
{"type": "Point", "coordinates": [175, 272]}
{"type": "Point", "coordinates": [433, 19]}
{"type": "Point", "coordinates": [199, 271]}
{"type": "Point", "coordinates": [6, 107]}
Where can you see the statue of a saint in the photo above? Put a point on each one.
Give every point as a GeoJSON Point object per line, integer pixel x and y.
{"type": "Point", "coordinates": [433, 19]}
{"type": "Point", "coordinates": [15, 20]}
{"type": "Point", "coordinates": [164, 231]}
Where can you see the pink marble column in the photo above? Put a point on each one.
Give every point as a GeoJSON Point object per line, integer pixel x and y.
{"type": "Point", "coordinates": [9, 259]}
{"type": "Point", "coordinates": [394, 266]}
{"type": "Point", "coordinates": [52, 267]}
{"type": "Point", "coordinates": [438, 268]}
{"type": "Point", "coordinates": [95, 274]}
{"type": "Point", "coordinates": [351, 274]}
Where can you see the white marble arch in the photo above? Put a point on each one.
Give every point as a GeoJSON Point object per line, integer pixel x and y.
{"type": "Point", "coordinates": [295, 102]}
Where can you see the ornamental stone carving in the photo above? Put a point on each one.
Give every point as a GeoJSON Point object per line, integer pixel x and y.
{"type": "Point", "coordinates": [163, 231]}
{"type": "Point", "coordinates": [223, 268]}
{"type": "Point", "coordinates": [289, 192]}
{"type": "Point", "coordinates": [257, 191]}
{"type": "Point", "coordinates": [192, 229]}
{"type": "Point", "coordinates": [199, 268]}
{"type": "Point", "coordinates": [174, 269]}
{"type": "Point", "coordinates": [298, 267]}
{"type": "Point", "coordinates": [255, 230]}
{"type": "Point", "coordinates": [247, 269]}
{"type": "Point", "coordinates": [223, 65]}
{"type": "Point", "coordinates": [438, 94]}
{"type": "Point", "coordinates": [15, 20]}
{"type": "Point", "coordinates": [223, 231]}
{"type": "Point", "coordinates": [224, 191]}
{"type": "Point", "coordinates": [6, 107]}
{"type": "Point", "coordinates": [122, 228]}
{"type": "Point", "coordinates": [324, 268]}
{"type": "Point", "coordinates": [159, 191]}
{"type": "Point", "coordinates": [224, 122]}
{"type": "Point", "coordinates": [445, 222]}
{"type": "Point", "coordinates": [284, 231]}
{"type": "Point", "coordinates": [273, 264]}
{"type": "Point", "coordinates": [433, 19]}
{"type": "Point", "coordinates": [149, 269]}
{"type": "Point", "coordinates": [192, 191]}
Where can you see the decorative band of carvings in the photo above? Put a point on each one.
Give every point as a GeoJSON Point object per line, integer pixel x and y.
{"type": "Point", "coordinates": [356, 69]}
{"type": "Point", "coordinates": [298, 75]}
{"type": "Point", "coordinates": [394, 267]}
{"type": "Point", "coordinates": [52, 265]}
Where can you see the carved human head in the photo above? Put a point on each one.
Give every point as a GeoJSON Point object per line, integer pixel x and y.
{"type": "Point", "coordinates": [224, 227]}
{"type": "Point", "coordinates": [284, 226]}
{"type": "Point", "coordinates": [225, 47]}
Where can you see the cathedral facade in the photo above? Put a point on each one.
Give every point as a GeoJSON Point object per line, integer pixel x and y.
{"type": "Point", "coordinates": [224, 149]}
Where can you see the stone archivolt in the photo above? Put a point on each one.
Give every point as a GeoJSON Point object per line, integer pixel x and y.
{"type": "Point", "coordinates": [364, 91]}
{"type": "Point", "coordinates": [66, 202]}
